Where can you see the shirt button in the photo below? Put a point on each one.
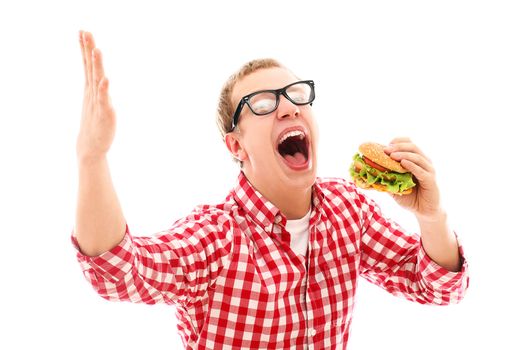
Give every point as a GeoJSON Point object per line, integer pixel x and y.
{"type": "Point", "coordinates": [311, 331]}
{"type": "Point", "coordinates": [278, 219]}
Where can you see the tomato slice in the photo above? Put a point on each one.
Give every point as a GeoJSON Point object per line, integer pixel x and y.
{"type": "Point", "coordinates": [374, 165]}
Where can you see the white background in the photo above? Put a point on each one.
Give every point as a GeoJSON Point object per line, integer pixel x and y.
{"type": "Point", "coordinates": [449, 74]}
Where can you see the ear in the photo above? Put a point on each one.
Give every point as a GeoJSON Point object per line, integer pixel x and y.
{"type": "Point", "coordinates": [233, 142]}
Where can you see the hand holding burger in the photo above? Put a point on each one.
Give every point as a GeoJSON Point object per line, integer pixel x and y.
{"type": "Point", "coordinates": [415, 188]}
{"type": "Point", "coordinates": [373, 168]}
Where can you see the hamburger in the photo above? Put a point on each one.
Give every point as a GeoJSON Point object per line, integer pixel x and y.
{"type": "Point", "coordinates": [372, 168]}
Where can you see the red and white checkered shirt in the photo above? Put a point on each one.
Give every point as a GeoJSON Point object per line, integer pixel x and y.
{"type": "Point", "coordinates": [236, 283]}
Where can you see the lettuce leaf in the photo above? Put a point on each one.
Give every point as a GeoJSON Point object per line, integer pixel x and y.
{"type": "Point", "coordinates": [395, 182]}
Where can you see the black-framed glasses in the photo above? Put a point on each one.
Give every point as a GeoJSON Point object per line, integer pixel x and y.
{"type": "Point", "coordinates": [266, 101]}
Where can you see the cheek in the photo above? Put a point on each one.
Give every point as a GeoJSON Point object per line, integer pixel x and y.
{"type": "Point", "coordinates": [260, 147]}
{"type": "Point", "coordinates": [314, 133]}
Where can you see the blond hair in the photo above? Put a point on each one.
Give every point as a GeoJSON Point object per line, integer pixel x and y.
{"type": "Point", "coordinates": [225, 109]}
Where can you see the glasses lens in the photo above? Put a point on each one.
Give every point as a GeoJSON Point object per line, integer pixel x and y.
{"type": "Point", "coordinates": [263, 103]}
{"type": "Point", "coordinates": [300, 93]}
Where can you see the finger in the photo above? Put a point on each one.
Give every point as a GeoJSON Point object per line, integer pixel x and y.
{"type": "Point", "coordinates": [421, 174]}
{"type": "Point", "coordinates": [391, 147]}
{"type": "Point", "coordinates": [415, 158]}
{"type": "Point", "coordinates": [405, 147]}
{"type": "Point", "coordinates": [81, 41]}
{"type": "Point", "coordinates": [103, 93]}
{"type": "Point", "coordinates": [89, 45]}
{"type": "Point", "coordinates": [98, 69]}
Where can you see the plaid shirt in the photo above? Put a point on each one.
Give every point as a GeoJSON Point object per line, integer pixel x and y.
{"type": "Point", "coordinates": [236, 283]}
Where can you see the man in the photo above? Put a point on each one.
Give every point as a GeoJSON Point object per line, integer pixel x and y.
{"type": "Point", "coordinates": [276, 264]}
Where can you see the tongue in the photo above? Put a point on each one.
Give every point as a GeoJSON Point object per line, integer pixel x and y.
{"type": "Point", "coordinates": [297, 159]}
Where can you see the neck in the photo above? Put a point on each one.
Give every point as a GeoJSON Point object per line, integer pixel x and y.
{"type": "Point", "coordinates": [293, 203]}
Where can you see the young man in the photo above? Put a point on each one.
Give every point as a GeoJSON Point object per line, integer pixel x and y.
{"type": "Point", "coordinates": [276, 264]}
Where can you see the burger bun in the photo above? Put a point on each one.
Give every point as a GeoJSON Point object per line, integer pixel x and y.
{"type": "Point", "coordinates": [376, 153]}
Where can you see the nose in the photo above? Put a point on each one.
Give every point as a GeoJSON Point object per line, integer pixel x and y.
{"type": "Point", "coordinates": [287, 109]}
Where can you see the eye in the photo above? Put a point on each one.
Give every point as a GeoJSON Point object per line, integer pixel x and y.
{"type": "Point", "coordinates": [262, 106]}
{"type": "Point", "coordinates": [299, 93]}
{"type": "Point", "coordinates": [298, 96]}
{"type": "Point", "coordinates": [262, 103]}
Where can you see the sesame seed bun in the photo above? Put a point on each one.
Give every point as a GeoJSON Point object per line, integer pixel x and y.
{"type": "Point", "coordinates": [375, 152]}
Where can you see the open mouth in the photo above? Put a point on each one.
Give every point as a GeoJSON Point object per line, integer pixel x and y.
{"type": "Point", "coordinates": [293, 147]}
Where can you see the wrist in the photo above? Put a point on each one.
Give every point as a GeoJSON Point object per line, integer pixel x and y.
{"type": "Point", "coordinates": [437, 216]}
{"type": "Point", "coordinates": [90, 158]}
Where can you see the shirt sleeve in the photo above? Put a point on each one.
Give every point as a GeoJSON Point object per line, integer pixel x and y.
{"type": "Point", "coordinates": [396, 261]}
{"type": "Point", "coordinates": [176, 265]}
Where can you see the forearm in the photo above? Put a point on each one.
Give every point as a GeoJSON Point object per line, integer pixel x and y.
{"type": "Point", "coordinates": [440, 242]}
{"type": "Point", "coordinates": [100, 223]}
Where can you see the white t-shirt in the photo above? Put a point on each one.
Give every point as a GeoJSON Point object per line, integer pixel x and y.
{"type": "Point", "coordinates": [298, 230]}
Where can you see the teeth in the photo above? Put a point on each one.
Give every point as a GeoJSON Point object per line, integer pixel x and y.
{"type": "Point", "coordinates": [291, 134]}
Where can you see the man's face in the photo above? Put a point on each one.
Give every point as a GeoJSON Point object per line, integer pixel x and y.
{"type": "Point", "coordinates": [278, 150]}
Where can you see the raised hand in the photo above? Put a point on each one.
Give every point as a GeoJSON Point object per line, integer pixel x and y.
{"type": "Point", "coordinates": [425, 200]}
{"type": "Point", "coordinates": [98, 124]}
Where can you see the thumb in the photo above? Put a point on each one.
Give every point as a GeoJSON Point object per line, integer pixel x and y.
{"type": "Point", "coordinates": [103, 93]}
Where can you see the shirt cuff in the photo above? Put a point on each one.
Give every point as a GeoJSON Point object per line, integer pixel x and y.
{"type": "Point", "coordinates": [112, 265]}
{"type": "Point", "coordinates": [439, 277]}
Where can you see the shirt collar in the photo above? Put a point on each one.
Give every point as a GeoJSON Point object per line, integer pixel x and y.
{"type": "Point", "coordinates": [262, 210]}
